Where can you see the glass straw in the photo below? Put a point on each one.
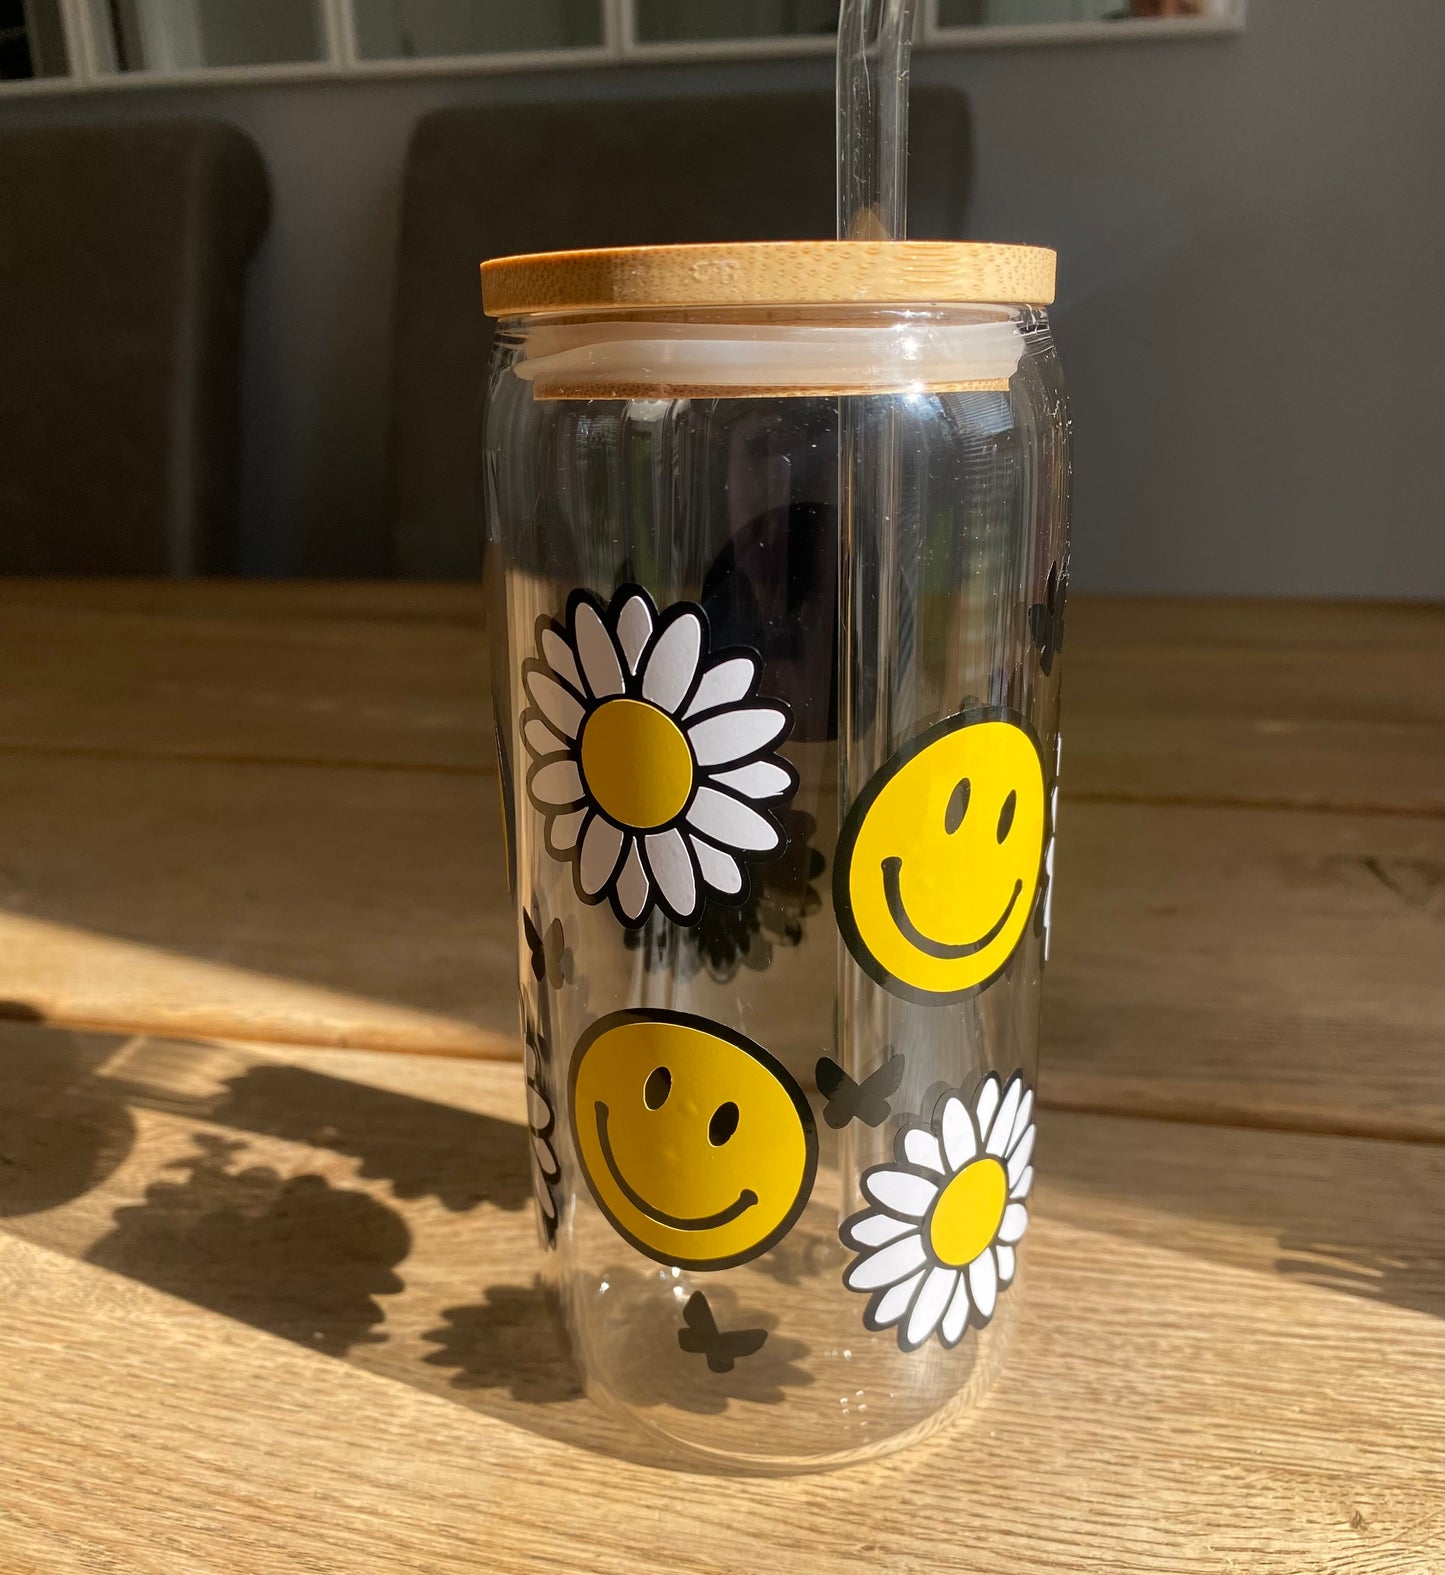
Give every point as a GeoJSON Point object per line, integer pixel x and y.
{"type": "Point", "coordinates": [875, 38]}
{"type": "Point", "coordinates": [874, 41]}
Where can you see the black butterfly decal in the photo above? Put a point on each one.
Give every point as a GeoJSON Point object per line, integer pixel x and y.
{"type": "Point", "coordinates": [550, 954]}
{"type": "Point", "coordinates": [1046, 619]}
{"type": "Point", "coordinates": [868, 1100]}
{"type": "Point", "coordinates": [703, 1336]}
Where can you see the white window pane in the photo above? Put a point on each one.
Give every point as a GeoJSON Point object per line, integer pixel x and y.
{"type": "Point", "coordinates": [191, 35]}
{"type": "Point", "coordinates": [670, 21]}
{"type": "Point", "coordinates": [427, 29]}
{"type": "Point", "coordinates": [1029, 13]}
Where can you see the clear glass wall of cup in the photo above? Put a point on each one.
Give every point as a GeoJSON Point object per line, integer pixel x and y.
{"type": "Point", "coordinates": [777, 547]}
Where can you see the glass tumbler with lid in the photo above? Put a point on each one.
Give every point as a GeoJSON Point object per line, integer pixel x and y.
{"type": "Point", "coordinates": [777, 548]}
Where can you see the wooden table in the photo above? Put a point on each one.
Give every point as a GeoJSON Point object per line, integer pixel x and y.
{"type": "Point", "coordinates": [253, 941]}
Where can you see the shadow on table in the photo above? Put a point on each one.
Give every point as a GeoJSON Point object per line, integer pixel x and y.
{"type": "Point", "coordinates": [68, 1125]}
{"type": "Point", "coordinates": [293, 1255]}
{"type": "Point", "coordinates": [60, 1136]}
{"type": "Point", "coordinates": [514, 1340]}
{"type": "Point", "coordinates": [1358, 1270]}
{"type": "Point", "coordinates": [509, 1356]}
{"type": "Point", "coordinates": [225, 1225]}
{"type": "Point", "coordinates": [419, 1147]}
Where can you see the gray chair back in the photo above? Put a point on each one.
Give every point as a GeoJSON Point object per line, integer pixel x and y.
{"type": "Point", "coordinates": [123, 255]}
{"type": "Point", "coordinates": [520, 178]}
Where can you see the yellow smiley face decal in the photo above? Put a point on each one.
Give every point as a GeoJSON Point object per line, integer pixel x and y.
{"type": "Point", "coordinates": [698, 1145]}
{"type": "Point", "coordinates": [939, 859]}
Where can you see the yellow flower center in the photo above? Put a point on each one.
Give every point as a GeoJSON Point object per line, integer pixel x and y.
{"type": "Point", "coordinates": [636, 762]}
{"type": "Point", "coordinates": [968, 1212]}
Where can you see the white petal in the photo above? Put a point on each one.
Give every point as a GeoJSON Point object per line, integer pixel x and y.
{"type": "Point", "coordinates": [983, 1282]}
{"type": "Point", "coordinates": [541, 739]}
{"type": "Point", "coordinates": [1022, 1186]}
{"type": "Point", "coordinates": [729, 821]}
{"type": "Point", "coordinates": [559, 658]}
{"type": "Point", "coordinates": [986, 1102]}
{"type": "Point", "coordinates": [633, 889]}
{"type": "Point", "coordinates": [634, 627]}
{"type": "Point", "coordinates": [667, 676]}
{"type": "Point", "coordinates": [920, 1147]}
{"type": "Point", "coordinates": [539, 1112]}
{"type": "Point", "coordinates": [876, 1230]}
{"type": "Point", "coordinates": [1007, 1263]}
{"type": "Point", "coordinates": [955, 1320]}
{"type": "Point", "coordinates": [667, 858]}
{"type": "Point", "coordinates": [558, 782]}
{"type": "Point", "coordinates": [601, 848]}
{"type": "Point", "coordinates": [560, 706]}
{"type": "Point", "coordinates": [1021, 1120]}
{"type": "Point", "coordinates": [1003, 1122]}
{"type": "Point", "coordinates": [600, 666]}
{"type": "Point", "coordinates": [1015, 1223]}
{"type": "Point", "coordinates": [545, 1203]}
{"type": "Point", "coordinates": [734, 735]}
{"type": "Point", "coordinates": [1021, 1156]}
{"type": "Point", "coordinates": [959, 1143]}
{"type": "Point", "coordinates": [563, 831]}
{"type": "Point", "coordinates": [725, 684]}
{"type": "Point", "coordinates": [931, 1305]}
{"type": "Point", "coordinates": [894, 1302]}
{"type": "Point", "coordinates": [901, 1192]}
{"type": "Point", "coordinates": [897, 1261]}
{"type": "Point", "coordinates": [719, 869]}
{"type": "Point", "coordinates": [761, 779]}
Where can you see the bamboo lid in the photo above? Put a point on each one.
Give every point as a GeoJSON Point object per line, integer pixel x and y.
{"type": "Point", "coordinates": [770, 273]}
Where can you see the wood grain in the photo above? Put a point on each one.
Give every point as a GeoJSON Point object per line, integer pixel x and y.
{"type": "Point", "coordinates": [1248, 965]}
{"type": "Point", "coordinates": [1227, 1359]}
{"type": "Point", "coordinates": [769, 273]}
{"type": "Point", "coordinates": [379, 674]}
{"type": "Point", "coordinates": [1222, 964]}
{"type": "Point", "coordinates": [1312, 705]}
{"type": "Point", "coordinates": [1306, 704]}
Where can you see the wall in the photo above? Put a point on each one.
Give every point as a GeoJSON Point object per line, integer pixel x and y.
{"type": "Point", "coordinates": [1250, 310]}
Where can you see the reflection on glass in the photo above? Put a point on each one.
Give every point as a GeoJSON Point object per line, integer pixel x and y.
{"type": "Point", "coordinates": [1034, 13]}
{"type": "Point", "coordinates": [192, 35]}
{"type": "Point", "coordinates": [32, 40]}
{"type": "Point", "coordinates": [423, 29]}
{"type": "Point", "coordinates": [671, 21]}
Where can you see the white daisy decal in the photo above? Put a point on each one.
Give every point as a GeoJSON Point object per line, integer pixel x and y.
{"type": "Point", "coordinates": [652, 756]}
{"type": "Point", "coordinates": [937, 1245]}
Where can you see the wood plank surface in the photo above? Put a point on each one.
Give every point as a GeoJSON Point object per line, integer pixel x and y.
{"type": "Point", "coordinates": [1311, 704]}
{"type": "Point", "coordinates": [1296, 703]}
{"type": "Point", "coordinates": [385, 674]}
{"type": "Point", "coordinates": [1225, 964]}
{"type": "Point", "coordinates": [1228, 1356]}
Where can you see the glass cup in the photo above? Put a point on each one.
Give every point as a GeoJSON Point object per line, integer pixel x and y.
{"type": "Point", "coordinates": [777, 547]}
